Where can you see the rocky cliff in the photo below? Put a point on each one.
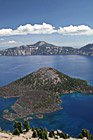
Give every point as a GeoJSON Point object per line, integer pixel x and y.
{"type": "Point", "coordinates": [43, 48]}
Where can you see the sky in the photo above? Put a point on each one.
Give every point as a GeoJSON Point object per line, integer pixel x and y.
{"type": "Point", "coordinates": [59, 22]}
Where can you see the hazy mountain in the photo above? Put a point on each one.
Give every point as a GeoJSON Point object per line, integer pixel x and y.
{"type": "Point", "coordinates": [87, 48]}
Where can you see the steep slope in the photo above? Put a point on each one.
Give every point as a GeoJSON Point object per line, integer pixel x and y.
{"type": "Point", "coordinates": [49, 79]}
{"type": "Point", "coordinates": [40, 91]}
{"type": "Point", "coordinates": [88, 49]}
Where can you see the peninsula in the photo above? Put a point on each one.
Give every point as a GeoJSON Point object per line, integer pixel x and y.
{"type": "Point", "coordinates": [39, 92]}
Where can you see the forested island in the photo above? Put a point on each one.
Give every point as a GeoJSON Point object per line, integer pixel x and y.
{"type": "Point", "coordinates": [39, 92]}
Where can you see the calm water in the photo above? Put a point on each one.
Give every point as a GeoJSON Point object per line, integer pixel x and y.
{"type": "Point", "coordinates": [77, 110]}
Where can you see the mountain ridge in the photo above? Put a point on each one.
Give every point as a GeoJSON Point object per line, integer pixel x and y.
{"type": "Point", "coordinates": [43, 48]}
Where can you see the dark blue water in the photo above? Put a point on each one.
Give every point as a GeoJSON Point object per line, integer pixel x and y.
{"type": "Point", "coordinates": [77, 113]}
{"type": "Point", "coordinates": [77, 110]}
{"type": "Point", "coordinates": [6, 104]}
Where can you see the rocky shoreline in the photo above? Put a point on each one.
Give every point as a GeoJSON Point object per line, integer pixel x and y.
{"type": "Point", "coordinates": [21, 113]}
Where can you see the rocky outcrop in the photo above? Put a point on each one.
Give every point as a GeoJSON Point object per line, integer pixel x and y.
{"type": "Point", "coordinates": [28, 136]}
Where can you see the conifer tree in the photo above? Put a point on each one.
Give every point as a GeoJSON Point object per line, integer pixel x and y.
{"type": "Point", "coordinates": [26, 125]}
{"type": "Point", "coordinates": [18, 125]}
{"type": "Point", "coordinates": [35, 135]}
{"type": "Point", "coordinates": [16, 132]}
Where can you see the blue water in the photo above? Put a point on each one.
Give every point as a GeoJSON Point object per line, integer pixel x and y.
{"type": "Point", "coordinates": [77, 110]}
{"type": "Point", "coordinates": [77, 113]}
{"type": "Point", "coordinates": [6, 104]}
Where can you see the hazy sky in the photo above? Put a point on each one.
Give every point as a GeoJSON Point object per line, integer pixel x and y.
{"type": "Point", "coordinates": [61, 22]}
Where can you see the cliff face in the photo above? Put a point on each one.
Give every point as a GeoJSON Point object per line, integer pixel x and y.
{"type": "Point", "coordinates": [42, 47]}
{"type": "Point", "coordinates": [40, 92]}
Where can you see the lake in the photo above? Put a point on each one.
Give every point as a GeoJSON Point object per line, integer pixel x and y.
{"type": "Point", "coordinates": [77, 110]}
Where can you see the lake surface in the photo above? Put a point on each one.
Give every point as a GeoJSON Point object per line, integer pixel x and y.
{"type": "Point", "coordinates": [77, 110]}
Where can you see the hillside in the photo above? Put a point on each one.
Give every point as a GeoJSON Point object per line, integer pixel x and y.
{"type": "Point", "coordinates": [31, 135]}
{"type": "Point", "coordinates": [87, 49]}
{"type": "Point", "coordinates": [43, 48]}
{"type": "Point", "coordinates": [40, 92]}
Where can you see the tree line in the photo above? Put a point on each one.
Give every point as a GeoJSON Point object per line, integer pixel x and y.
{"type": "Point", "coordinates": [42, 133]}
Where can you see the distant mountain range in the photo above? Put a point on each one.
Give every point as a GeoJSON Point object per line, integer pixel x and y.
{"type": "Point", "coordinates": [43, 48]}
